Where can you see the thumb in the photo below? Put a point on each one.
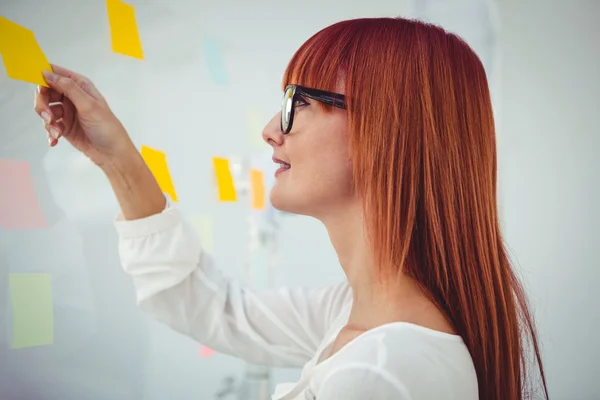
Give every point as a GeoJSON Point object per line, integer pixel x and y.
{"type": "Point", "coordinates": [82, 101]}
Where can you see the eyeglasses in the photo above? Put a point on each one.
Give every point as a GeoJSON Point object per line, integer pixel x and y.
{"type": "Point", "coordinates": [288, 104]}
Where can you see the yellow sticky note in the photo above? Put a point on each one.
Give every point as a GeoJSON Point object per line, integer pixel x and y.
{"type": "Point", "coordinates": [255, 123]}
{"type": "Point", "coordinates": [257, 182]}
{"type": "Point", "coordinates": [23, 58]}
{"type": "Point", "coordinates": [33, 313]}
{"type": "Point", "coordinates": [204, 226]}
{"type": "Point", "coordinates": [224, 179]}
{"type": "Point", "coordinates": [123, 29]}
{"type": "Point", "coordinates": [157, 162]}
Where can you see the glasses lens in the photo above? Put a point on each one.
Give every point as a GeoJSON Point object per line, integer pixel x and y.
{"type": "Point", "coordinates": [286, 108]}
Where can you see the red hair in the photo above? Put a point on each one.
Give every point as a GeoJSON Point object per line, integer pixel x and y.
{"type": "Point", "coordinates": [424, 160]}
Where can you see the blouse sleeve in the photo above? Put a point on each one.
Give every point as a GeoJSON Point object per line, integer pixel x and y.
{"type": "Point", "coordinates": [177, 283]}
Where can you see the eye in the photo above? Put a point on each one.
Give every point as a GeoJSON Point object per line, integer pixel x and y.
{"type": "Point", "coordinates": [300, 101]}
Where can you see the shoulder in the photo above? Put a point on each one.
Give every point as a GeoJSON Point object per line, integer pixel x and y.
{"type": "Point", "coordinates": [354, 381]}
{"type": "Point", "coordinates": [403, 361]}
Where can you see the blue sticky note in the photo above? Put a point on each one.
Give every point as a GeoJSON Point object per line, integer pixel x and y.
{"type": "Point", "coordinates": [214, 62]}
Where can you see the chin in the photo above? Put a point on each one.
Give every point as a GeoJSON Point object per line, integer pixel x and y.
{"type": "Point", "coordinates": [279, 202]}
{"type": "Point", "coordinates": [287, 202]}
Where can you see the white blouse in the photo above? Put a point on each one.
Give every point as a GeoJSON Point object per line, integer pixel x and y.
{"type": "Point", "coordinates": [178, 284]}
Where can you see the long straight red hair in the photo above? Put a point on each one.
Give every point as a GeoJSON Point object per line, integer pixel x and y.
{"type": "Point", "coordinates": [424, 159]}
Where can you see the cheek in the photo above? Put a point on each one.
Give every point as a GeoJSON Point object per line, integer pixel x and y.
{"type": "Point", "coordinates": [321, 172]}
{"type": "Point", "coordinates": [340, 173]}
{"type": "Point", "coordinates": [327, 165]}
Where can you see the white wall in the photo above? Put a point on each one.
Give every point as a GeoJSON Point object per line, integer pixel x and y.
{"type": "Point", "coordinates": [549, 149]}
{"type": "Point", "coordinates": [104, 348]}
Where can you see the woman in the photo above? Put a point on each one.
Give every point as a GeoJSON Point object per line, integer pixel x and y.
{"type": "Point", "coordinates": [386, 135]}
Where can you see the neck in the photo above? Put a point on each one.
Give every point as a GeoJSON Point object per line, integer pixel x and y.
{"type": "Point", "coordinates": [374, 303]}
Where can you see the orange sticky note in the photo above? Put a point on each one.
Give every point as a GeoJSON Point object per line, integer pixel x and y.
{"type": "Point", "coordinates": [257, 182]}
{"type": "Point", "coordinates": [23, 58]}
{"type": "Point", "coordinates": [123, 29]}
{"type": "Point", "coordinates": [206, 352]}
{"type": "Point", "coordinates": [157, 162]}
{"type": "Point", "coordinates": [224, 179]}
{"type": "Point", "coordinates": [19, 206]}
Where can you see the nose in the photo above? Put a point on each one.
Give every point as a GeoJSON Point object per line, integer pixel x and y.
{"type": "Point", "coordinates": [272, 133]}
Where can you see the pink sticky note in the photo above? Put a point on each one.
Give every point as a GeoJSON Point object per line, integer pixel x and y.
{"type": "Point", "coordinates": [19, 206]}
{"type": "Point", "coordinates": [206, 352]}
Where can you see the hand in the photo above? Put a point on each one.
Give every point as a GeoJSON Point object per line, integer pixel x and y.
{"type": "Point", "coordinates": [74, 109]}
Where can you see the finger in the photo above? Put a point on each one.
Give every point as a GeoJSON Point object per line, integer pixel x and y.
{"type": "Point", "coordinates": [52, 95]}
{"type": "Point", "coordinates": [52, 142]}
{"type": "Point", "coordinates": [85, 83]}
{"type": "Point", "coordinates": [82, 100]}
{"type": "Point", "coordinates": [69, 115]}
{"type": "Point", "coordinates": [52, 131]}
{"type": "Point", "coordinates": [58, 111]}
{"type": "Point", "coordinates": [42, 102]}
{"type": "Point", "coordinates": [55, 96]}
{"type": "Point", "coordinates": [58, 70]}
{"type": "Point", "coordinates": [55, 130]}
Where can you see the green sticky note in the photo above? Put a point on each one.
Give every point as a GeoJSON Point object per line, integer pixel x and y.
{"type": "Point", "coordinates": [33, 314]}
{"type": "Point", "coordinates": [204, 225]}
{"type": "Point", "coordinates": [255, 123]}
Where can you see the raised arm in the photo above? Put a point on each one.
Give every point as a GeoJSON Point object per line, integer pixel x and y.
{"type": "Point", "coordinates": [175, 281]}
{"type": "Point", "coordinates": [179, 285]}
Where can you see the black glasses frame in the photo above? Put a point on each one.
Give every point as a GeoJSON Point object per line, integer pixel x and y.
{"type": "Point", "coordinates": [323, 96]}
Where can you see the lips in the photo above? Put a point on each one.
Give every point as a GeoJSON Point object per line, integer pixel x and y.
{"type": "Point", "coordinates": [283, 166]}
{"type": "Point", "coordinates": [281, 163]}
